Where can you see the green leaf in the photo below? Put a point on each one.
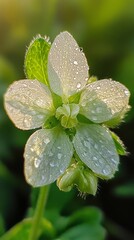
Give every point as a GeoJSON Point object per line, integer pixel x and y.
{"type": "Point", "coordinates": [36, 59]}
{"type": "Point", "coordinates": [125, 190]}
{"type": "Point", "coordinates": [84, 232]}
{"type": "Point", "coordinates": [21, 230]}
{"type": "Point", "coordinates": [93, 215]}
{"type": "Point", "coordinates": [95, 147]}
{"type": "Point", "coordinates": [119, 144]}
{"type": "Point", "coordinates": [48, 153]}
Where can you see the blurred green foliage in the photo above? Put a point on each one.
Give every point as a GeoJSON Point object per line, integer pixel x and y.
{"type": "Point", "coordinates": [105, 30]}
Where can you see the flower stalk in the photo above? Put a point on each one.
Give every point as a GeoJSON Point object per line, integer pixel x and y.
{"type": "Point", "coordinates": [39, 211]}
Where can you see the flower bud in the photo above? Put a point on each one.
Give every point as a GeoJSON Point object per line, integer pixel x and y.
{"type": "Point", "coordinates": [80, 176]}
{"type": "Point", "coordinates": [67, 114]}
{"type": "Point", "coordinates": [66, 181]}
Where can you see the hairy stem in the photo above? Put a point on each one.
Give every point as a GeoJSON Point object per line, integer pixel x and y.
{"type": "Point", "coordinates": [41, 203]}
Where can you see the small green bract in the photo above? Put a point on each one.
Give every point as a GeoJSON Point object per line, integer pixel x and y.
{"type": "Point", "coordinates": [74, 144]}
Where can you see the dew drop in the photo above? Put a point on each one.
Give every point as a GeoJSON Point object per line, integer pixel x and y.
{"type": "Point", "coordinates": [84, 154]}
{"type": "Point", "coordinates": [36, 162]}
{"type": "Point", "coordinates": [52, 164]}
{"type": "Point", "coordinates": [86, 144]}
{"type": "Point", "coordinates": [75, 63]}
{"type": "Point", "coordinates": [39, 102]}
{"type": "Point", "coordinates": [106, 170]}
{"type": "Point", "coordinates": [113, 160]}
{"type": "Point", "coordinates": [126, 92]}
{"type": "Point", "coordinates": [32, 149]}
{"type": "Point", "coordinates": [59, 147]}
{"type": "Point", "coordinates": [61, 171]}
{"type": "Point", "coordinates": [46, 140]}
{"type": "Point", "coordinates": [78, 85]}
{"type": "Point", "coordinates": [96, 164]}
{"type": "Point", "coordinates": [59, 155]}
{"type": "Point", "coordinates": [27, 123]}
{"type": "Point", "coordinates": [94, 158]}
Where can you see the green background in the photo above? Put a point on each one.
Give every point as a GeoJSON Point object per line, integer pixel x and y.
{"type": "Point", "coordinates": [105, 31]}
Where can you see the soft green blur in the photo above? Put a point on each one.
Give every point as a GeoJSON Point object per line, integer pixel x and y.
{"type": "Point", "coordinates": [105, 31]}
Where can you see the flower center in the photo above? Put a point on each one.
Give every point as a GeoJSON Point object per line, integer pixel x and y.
{"type": "Point", "coordinates": [67, 114]}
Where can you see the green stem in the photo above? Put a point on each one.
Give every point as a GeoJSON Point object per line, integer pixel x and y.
{"type": "Point", "coordinates": [41, 203]}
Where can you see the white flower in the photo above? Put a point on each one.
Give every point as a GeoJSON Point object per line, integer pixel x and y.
{"type": "Point", "coordinates": [83, 106]}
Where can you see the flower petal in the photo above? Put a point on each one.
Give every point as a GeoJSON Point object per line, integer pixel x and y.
{"type": "Point", "coordinates": [95, 147]}
{"type": "Point", "coordinates": [103, 100]}
{"type": "Point", "coordinates": [28, 103]}
{"type": "Point", "coordinates": [67, 66]}
{"type": "Point", "coordinates": [48, 153]}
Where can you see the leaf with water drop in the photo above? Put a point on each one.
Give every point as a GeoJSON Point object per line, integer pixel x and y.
{"type": "Point", "coordinates": [95, 147]}
{"type": "Point", "coordinates": [36, 59]}
{"type": "Point", "coordinates": [28, 104]}
{"type": "Point", "coordinates": [104, 100]}
{"type": "Point", "coordinates": [67, 66]}
{"type": "Point", "coordinates": [48, 153]}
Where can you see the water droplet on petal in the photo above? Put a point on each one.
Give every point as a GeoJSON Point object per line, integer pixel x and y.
{"type": "Point", "coordinates": [85, 154]}
{"type": "Point", "coordinates": [113, 160]}
{"type": "Point", "coordinates": [32, 149]}
{"type": "Point", "coordinates": [96, 164]}
{"type": "Point", "coordinates": [106, 170]}
{"type": "Point", "coordinates": [52, 164]}
{"type": "Point", "coordinates": [36, 162]}
{"type": "Point", "coordinates": [126, 92]}
{"type": "Point", "coordinates": [87, 144]}
{"type": "Point", "coordinates": [27, 123]}
{"type": "Point", "coordinates": [59, 147]}
{"type": "Point", "coordinates": [59, 155]}
{"type": "Point", "coordinates": [78, 85]}
{"type": "Point", "coordinates": [75, 63]}
{"type": "Point", "coordinates": [46, 140]}
{"type": "Point", "coordinates": [61, 171]}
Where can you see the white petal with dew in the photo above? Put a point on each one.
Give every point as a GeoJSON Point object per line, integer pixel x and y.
{"type": "Point", "coordinates": [103, 100]}
{"type": "Point", "coordinates": [48, 153]}
{"type": "Point", "coordinates": [95, 147]}
{"type": "Point", "coordinates": [28, 103]}
{"type": "Point", "coordinates": [67, 66]}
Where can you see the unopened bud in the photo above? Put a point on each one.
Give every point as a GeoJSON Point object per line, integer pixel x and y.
{"type": "Point", "coordinates": [80, 176]}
